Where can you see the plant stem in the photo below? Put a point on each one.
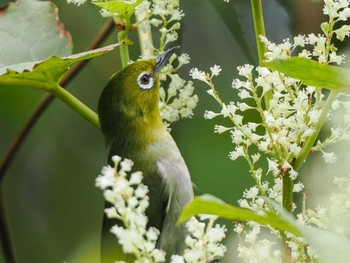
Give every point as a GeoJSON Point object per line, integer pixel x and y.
{"type": "Point", "coordinates": [144, 38]}
{"type": "Point", "coordinates": [287, 192]}
{"type": "Point", "coordinates": [76, 105]}
{"type": "Point", "coordinates": [311, 140]}
{"type": "Point", "coordinates": [259, 27]}
{"type": "Point", "coordinates": [123, 30]}
{"type": "Point", "coordinates": [8, 250]}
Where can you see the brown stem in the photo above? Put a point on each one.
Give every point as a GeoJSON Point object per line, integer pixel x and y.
{"type": "Point", "coordinates": [9, 254]}
{"type": "Point", "coordinates": [22, 135]}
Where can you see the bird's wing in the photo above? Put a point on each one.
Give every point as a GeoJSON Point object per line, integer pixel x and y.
{"type": "Point", "coordinates": [178, 190]}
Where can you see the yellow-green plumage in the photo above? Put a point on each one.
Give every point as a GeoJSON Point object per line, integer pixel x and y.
{"type": "Point", "coordinates": [131, 122]}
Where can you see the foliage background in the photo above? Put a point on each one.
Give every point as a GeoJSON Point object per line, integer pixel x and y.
{"type": "Point", "coordinates": [53, 208]}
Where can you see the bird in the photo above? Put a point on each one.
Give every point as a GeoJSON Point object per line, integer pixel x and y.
{"type": "Point", "coordinates": [133, 128]}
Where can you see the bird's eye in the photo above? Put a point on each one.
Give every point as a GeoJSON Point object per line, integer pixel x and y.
{"type": "Point", "coordinates": [145, 80]}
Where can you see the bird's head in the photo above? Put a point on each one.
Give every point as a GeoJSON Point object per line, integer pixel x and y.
{"type": "Point", "coordinates": [131, 96]}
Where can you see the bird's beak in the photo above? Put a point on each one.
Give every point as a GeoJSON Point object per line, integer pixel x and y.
{"type": "Point", "coordinates": [163, 58]}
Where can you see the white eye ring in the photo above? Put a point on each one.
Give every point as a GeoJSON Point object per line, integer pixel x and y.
{"type": "Point", "coordinates": [145, 80]}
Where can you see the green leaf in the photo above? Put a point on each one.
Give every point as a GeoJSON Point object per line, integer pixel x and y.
{"type": "Point", "coordinates": [125, 8]}
{"type": "Point", "coordinates": [328, 246]}
{"type": "Point", "coordinates": [30, 30]}
{"type": "Point", "coordinates": [313, 73]}
{"type": "Point", "coordinates": [211, 205]}
{"type": "Point", "coordinates": [47, 73]}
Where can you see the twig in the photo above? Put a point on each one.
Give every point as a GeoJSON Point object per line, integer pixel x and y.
{"type": "Point", "coordinates": [11, 152]}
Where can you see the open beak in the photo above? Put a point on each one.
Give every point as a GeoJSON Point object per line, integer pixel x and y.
{"type": "Point", "coordinates": [163, 58]}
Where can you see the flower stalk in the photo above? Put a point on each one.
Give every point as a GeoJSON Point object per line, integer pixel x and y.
{"type": "Point", "coordinates": [312, 139]}
{"type": "Point", "coordinates": [123, 30]}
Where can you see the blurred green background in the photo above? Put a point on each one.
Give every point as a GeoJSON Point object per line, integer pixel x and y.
{"type": "Point", "coordinates": [54, 209]}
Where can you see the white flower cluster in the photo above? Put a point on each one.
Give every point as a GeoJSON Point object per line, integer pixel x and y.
{"type": "Point", "coordinates": [285, 126]}
{"type": "Point", "coordinates": [338, 11]}
{"type": "Point", "coordinates": [177, 101]}
{"type": "Point", "coordinates": [204, 241]}
{"type": "Point", "coordinates": [162, 14]}
{"type": "Point", "coordinates": [253, 248]}
{"type": "Point", "coordinates": [289, 113]}
{"type": "Point", "coordinates": [129, 202]}
{"type": "Point", "coordinates": [334, 218]}
{"type": "Point", "coordinates": [339, 131]}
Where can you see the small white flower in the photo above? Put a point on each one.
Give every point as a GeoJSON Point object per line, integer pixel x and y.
{"type": "Point", "coordinates": [176, 15]}
{"type": "Point", "coordinates": [215, 70]}
{"type": "Point", "coordinates": [141, 191]}
{"type": "Point", "coordinates": [238, 228]}
{"type": "Point", "coordinates": [171, 37]}
{"type": "Point", "coordinates": [177, 259]}
{"type": "Point", "coordinates": [239, 151]}
{"type": "Point", "coordinates": [342, 32]}
{"type": "Point", "coordinates": [111, 212]}
{"type": "Point", "coordinates": [126, 165]}
{"type": "Point", "coordinates": [314, 116]}
{"type": "Point", "coordinates": [197, 74]}
{"type": "Point", "coordinates": [330, 158]}
{"type": "Point", "coordinates": [106, 179]}
{"type": "Point", "coordinates": [273, 167]}
{"type": "Point", "coordinates": [221, 129]}
{"type": "Point", "coordinates": [136, 178]}
{"type": "Point", "coordinates": [228, 110]}
{"type": "Point", "coordinates": [255, 157]}
{"type": "Point", "coordinates": [116, 159]}
{"type": "Point", "coordinates": [210, 114]}
{"type": "Point", "coordinates": [245, 70]}
{"type": "Point", "coordinates": [184, 59]}
{"type": "Point", "coordinates": [251, 193]}
{"type": "Point", "coordinates": [299, 41]}
{"type": "Point", "coordinates": [298, 187]}
{"type": "Point", "coordinates": [334, 58]}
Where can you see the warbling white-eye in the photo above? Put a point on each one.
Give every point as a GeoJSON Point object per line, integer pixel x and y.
{"type": "Point", "coordinates": [131, 123]}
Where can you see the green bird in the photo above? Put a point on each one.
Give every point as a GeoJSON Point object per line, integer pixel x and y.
{"type": "Point", "coordinates": [131, 123]}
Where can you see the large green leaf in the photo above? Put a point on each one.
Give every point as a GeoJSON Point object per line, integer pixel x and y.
{"type": "Point", "coordinates": [30, 30]}
{"type": "Point", "coordinates": [313, 73]}
{"type": "Point", "coordinates": [124, 8]}
{"type": "Point", "coordinates": [207, 204]}
{"type": "Point", "coordinates": [327, 245]}
{"type": "Point", "coordinates": [47, 73]}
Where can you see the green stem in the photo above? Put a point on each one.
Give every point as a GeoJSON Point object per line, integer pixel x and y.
{"type": "Point", "coordinates": [311, 140]}
{"type": "Point", "coordinates": [123, 31]}
{"type": "Point", "coordinates": [260, 31]}
{"type": "Point", "coordinates": [60, 93]}
{"type": "Point", "coordinates": [287, 192]}
{"type": "Point", "coordinates": [76, 105]}
{"type": "Point", "coordinates": [259, 28]}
